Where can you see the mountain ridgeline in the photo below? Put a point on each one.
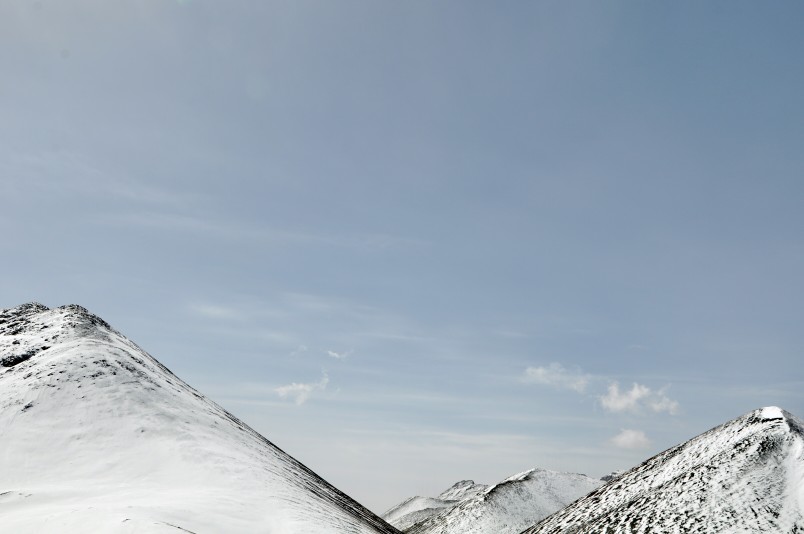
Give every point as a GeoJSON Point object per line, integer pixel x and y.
{"type": "Point", "coordinates": [508, 506]}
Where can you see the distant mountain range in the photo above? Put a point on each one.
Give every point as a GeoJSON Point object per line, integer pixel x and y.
{"type": "Point", "coordinates": [509, 506]}
{"type": "Point", "coordinates": [96, 436]}
{"type": "Point", "coordinates": [416, 509]}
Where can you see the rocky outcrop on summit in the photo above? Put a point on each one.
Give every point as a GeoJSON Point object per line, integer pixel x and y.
{"type": "Point", "coordinates": [746, 476]}
{"type": "Point", "coordinates": [98, 436]}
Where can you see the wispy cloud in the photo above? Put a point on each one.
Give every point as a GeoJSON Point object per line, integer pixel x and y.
{"type": "Point", "coordinates": [330, 326]}
{"type": "Point", "coordinates": [339, 355]}
{"type": "Point", "coordinates": [631, 439]}
{"type": "Point", "coordinates": [47, 170]}
{"type": "Point", "coordinates": [179, 222]}
{"type": "Point", "coordinates": [213, 311]}
{"type": "Point", "coordinates": [557, 376]}
{"type": "Point", "coordinates": [638, 399]}
{"type": "Point", "coordinates": [234, 230]}
{"type": "Point", "coordinates": [300, 392]}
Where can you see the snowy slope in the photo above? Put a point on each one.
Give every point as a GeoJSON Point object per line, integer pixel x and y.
{"type": "Point", "coordinates": [414, 510]}
{"type": "Point", "coordinates": [746, 476]}
{"type": "Point", "coordinates": [417, 509]}
{"type": "Point", "coordinates": [462, 490]}
{"type": "Point", "coordinates": [510, 506]}
{"type": "Point", "coordinates": [97, 437]}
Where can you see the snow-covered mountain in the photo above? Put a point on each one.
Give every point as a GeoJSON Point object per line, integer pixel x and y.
{"type": "Point", "coordinates": [417, 509]}
{"type": "Point", "coordinates": [504, 508]}
{"type": "Point", "coordinates": [746, 476]}
{"type": "Point", "coordinates": [97, 436]}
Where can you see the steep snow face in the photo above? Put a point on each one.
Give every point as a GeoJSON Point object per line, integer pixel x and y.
{"type": "Point", "coordinates": [746, 476]}
{"type": "Point", "coordinates": [97, 436]}
{"type": "Point", "coordinates": [417, 509]}
{"type": "Point", "coordinates": [510, 506]}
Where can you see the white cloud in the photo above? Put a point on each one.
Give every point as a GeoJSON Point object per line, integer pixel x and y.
{"type": "Point", "coordinates": [627, 401]}
{"type": "Point", "coordinates": [557, 376]}
{"type": "Point", "coordinates": [637, 399]}
{"type": "Point", "coordinates": [301, 392]}
{"type": "Point", "coordinates": [631, 439]}
{"type": "Point", "coordinates": [339, 355]}
{"type": "Point", "coordinates": [662, 403]}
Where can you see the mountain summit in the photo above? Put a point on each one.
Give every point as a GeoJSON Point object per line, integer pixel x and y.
{"type": "Point", "coordinates": [746, 476]}
{"type": "Point", "coordinates": [97, 436]}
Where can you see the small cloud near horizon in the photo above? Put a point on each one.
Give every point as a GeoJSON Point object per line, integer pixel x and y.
{"type": "Point", "coordinates": [631, 439]}
{"type": "Point", "coordinates": [339, 355]}
{"type": "Point", "coordinates": [637, 399]}
{"type": "Point", "coordinates": [301, 392]}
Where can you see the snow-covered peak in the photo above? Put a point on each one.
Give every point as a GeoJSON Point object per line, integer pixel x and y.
{"type": "Point", "coordinates": [31, 328]}
{"type": "Point", "coordinates": [417, 509]}
{"type": "Point", "coordinates": [771, 412]}
{"type": "Point", "coordinates": [36, 314]}
{"type": "Point", "coordinates": [746, 475]}
{"type": "Point", "coordinates": [98, 436]}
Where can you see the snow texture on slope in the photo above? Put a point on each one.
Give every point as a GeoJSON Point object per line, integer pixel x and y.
{"type": "Point", "coordinates": [417, 509]}
{"type": "Point", "coordinates": [511, 505]}
{"type": "Point", "coordinates": [746, 476]}
{"type": "Point", "coordinates": [97, 436]}
{"type": "Point", "coordinates": [462, 490]}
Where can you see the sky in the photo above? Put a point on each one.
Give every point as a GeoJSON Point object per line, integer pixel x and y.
{"type": "Point", "coordinates": [418, 242]}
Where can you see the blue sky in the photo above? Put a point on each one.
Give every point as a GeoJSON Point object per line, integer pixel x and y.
{"type": "Point", "coordinates": [416, 242]}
